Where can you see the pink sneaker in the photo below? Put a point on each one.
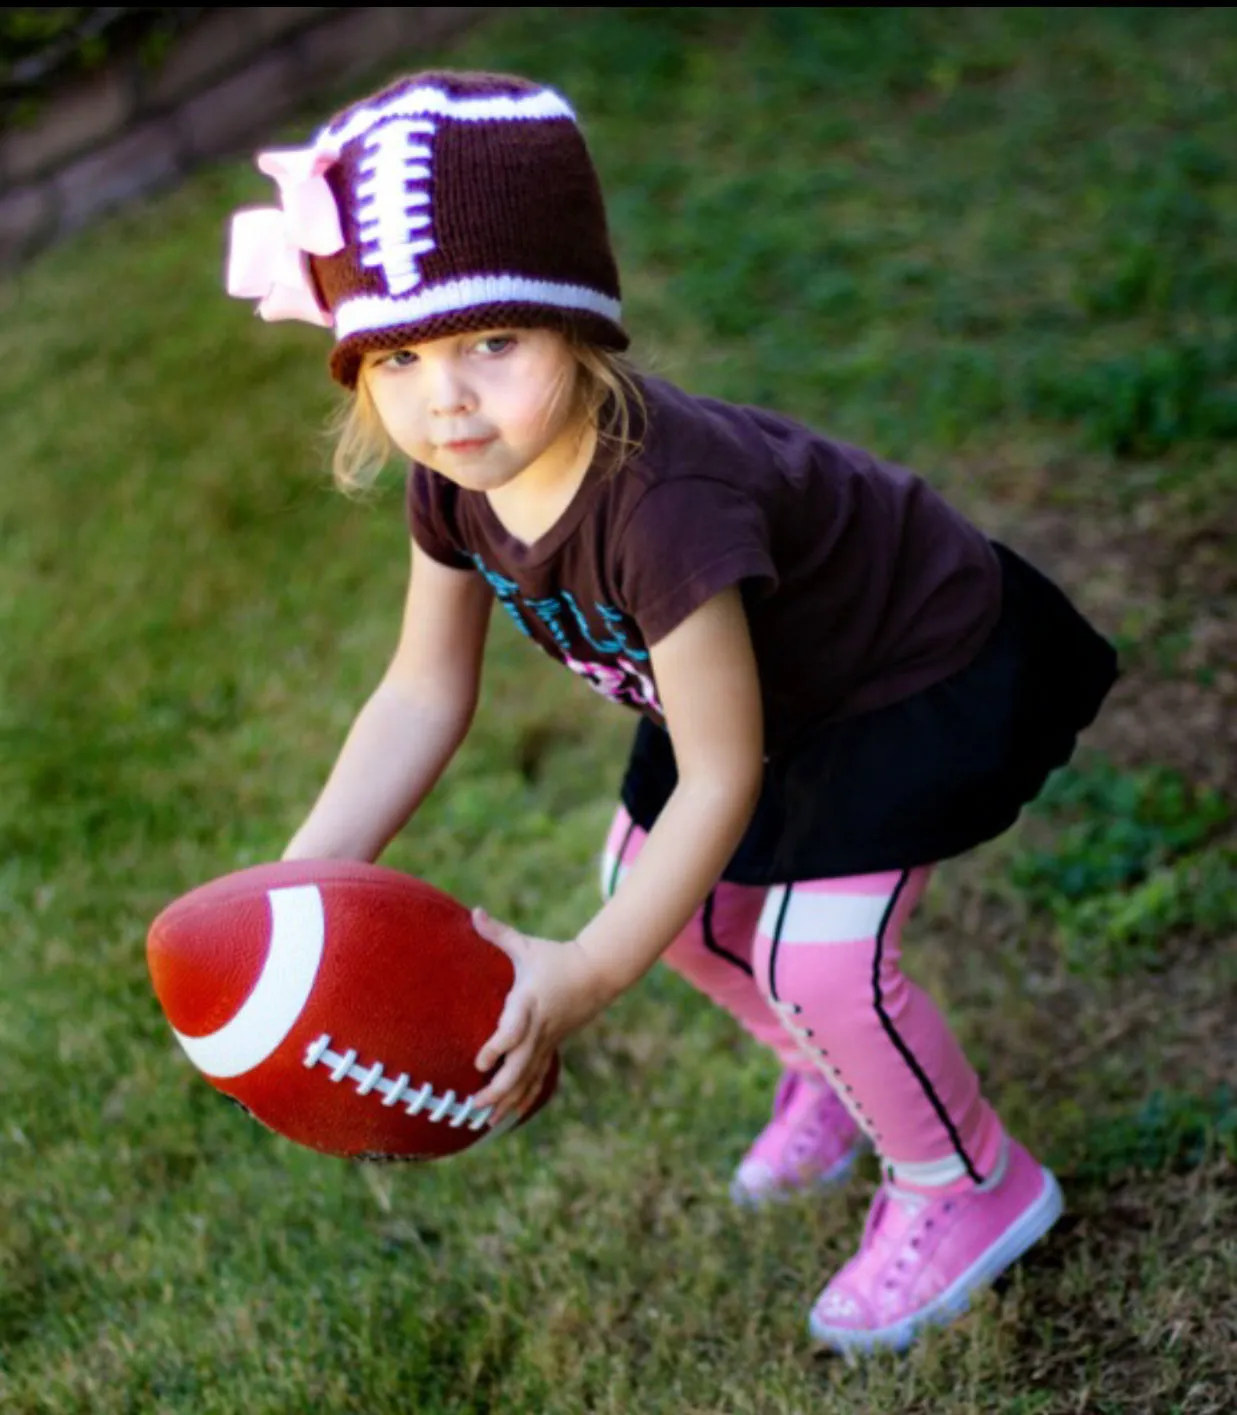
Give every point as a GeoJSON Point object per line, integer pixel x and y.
{"type": "Point", "coordinates": [811, 1143]}
{"type": "Point", "coordinates": [921, 1258]}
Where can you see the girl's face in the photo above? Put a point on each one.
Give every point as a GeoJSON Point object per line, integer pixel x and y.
{"type": "Point", "coordinates": [481, 408]}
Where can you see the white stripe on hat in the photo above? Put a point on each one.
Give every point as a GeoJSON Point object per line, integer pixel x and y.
{"type": "Point", "coordinates": [371, 312]}
{"type": "Point", "coordinates": [426, 101]}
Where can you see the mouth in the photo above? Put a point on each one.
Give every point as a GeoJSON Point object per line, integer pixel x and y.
{"type": "Point", "coordinates": [465, 445]}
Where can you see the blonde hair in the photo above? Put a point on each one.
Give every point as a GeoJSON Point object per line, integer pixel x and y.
{"type": "Point", "coordinates": [608, 391]}
{"type": "Point", "coordinates": [613, 402]}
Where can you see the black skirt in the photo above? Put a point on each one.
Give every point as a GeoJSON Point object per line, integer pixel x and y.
{"type": "Point", "coordinates": [925, 778]}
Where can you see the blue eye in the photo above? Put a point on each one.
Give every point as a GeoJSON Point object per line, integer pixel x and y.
{"type": "Point", "coordinates": [496, 343]}
{"type": "Point", "coordinates": [400, 358]}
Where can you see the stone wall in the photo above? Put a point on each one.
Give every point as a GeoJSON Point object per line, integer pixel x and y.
{"type": "Point", "coordinates": [127, 129]}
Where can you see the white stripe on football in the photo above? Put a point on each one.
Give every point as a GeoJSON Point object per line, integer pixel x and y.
{"type": "Point", "coordinates": [268, 1014]}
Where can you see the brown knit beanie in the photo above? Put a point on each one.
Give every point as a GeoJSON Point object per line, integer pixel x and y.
{"type": "Point", "coordinates": [465, 201]}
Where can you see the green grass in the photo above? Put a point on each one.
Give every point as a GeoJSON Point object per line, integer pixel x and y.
{"type": "Point", "coordinates": [996, 243]}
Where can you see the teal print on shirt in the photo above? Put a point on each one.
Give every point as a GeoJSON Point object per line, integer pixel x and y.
{"type": "Point", "coordinates": [553, 611]}
{"type": "Point", "coordinates": [622, 680]}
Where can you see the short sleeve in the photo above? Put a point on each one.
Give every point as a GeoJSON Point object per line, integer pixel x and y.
{"type": "Point", "coordinates": [430, 506]}
{"type": "Point", "coordinates": [685, 541]}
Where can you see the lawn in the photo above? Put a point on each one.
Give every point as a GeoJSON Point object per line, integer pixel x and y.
{"type": "Point", "coordinates": [996, 243]}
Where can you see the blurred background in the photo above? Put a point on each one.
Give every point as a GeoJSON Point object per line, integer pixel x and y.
{"type": "Point", "coordinates": [995, 243]}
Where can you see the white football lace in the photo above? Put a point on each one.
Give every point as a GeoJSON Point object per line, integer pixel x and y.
{"type": "Point", "coordinates": [396, 1089]}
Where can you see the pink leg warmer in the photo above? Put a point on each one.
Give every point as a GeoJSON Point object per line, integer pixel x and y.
{"type": "Point", "coordinates": [714, 951]}
{"type": "Point", "coordinates": [827, 958]}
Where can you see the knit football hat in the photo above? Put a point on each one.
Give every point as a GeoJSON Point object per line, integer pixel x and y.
{"type": "Point", "coordinates": [444, 203]}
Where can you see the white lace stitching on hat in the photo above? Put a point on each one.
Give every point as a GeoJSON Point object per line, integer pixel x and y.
{"type": "Point", "coordinates": [394, 210]}
{"type": "Point", "coordinates": [394, 1090]}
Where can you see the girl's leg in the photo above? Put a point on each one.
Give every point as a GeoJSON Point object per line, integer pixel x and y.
{"type": "Point", "coordinates": [961, 1200]}
{"type": "Point", "coordinates": [828, 954]}
{"type": "Point", "coordinates": [811, 1140]}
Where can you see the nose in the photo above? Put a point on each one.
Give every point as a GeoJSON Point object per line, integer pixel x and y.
{"type": "Point", "coordinates": [450, 393]}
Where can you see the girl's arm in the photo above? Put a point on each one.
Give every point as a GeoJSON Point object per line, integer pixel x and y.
{"type": "Point", "coordinates": [410, 727]}
{"type": "Point", "coordinates": [706, 676]}
{"type": "Point", "coordinates": [707, 681]}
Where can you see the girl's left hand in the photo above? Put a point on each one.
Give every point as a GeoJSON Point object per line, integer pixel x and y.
{"type": "Point", "coordinates": [556, 990]}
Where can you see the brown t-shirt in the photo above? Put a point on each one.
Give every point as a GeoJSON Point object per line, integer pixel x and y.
{"type": "Point", "coordinates": [861, 584]}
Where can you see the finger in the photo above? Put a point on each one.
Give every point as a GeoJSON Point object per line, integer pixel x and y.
{"type": "Point", "coordinates": [524, 1103]}
{"type": "Point", "coordinates": [507, 1081]}
{"type": "Point", "coordinates": [496, 932]}
{"type": "Point", "coordinates": [512, 1079]}
{"type": "Point", "coordinates": [523, 1096]}
{"type": "Point", "coordinates": [512, 1029]}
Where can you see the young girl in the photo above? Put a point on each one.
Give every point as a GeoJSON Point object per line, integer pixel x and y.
{"type": "Point", "coordinates": [840, 680]}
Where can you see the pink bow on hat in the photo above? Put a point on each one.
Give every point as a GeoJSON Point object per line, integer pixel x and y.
{"type": "Point", "coordinates": [266, 260]}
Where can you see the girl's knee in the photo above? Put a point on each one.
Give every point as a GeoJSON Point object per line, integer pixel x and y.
{"type": "Point", "coordinates": [718, 936]}
{"type": "Point", "coordinates": [832, 949]}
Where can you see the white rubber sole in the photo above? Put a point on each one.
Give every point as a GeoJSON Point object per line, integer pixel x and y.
{"type": "Point", "coordinates": [744, 1198]}
{"type": "Point", "coordinates": [956, 1298]}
